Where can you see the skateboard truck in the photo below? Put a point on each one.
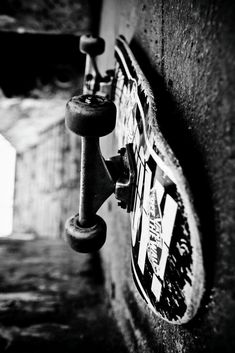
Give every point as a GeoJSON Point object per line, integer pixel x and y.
{"type": "Point", "coordinates": [92, 47]}
{"type": "Point", "coordinates": [91, 117]}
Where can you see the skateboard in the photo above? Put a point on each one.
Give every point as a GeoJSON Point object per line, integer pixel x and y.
{"type": "Point", "coordinates": [166, 256]}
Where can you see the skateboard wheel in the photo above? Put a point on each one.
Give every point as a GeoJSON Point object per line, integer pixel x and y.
{"type": "Point", "coordinates": [90, 115]}
{"type": "Point", "coordinates": [85, 240]}
{"type": "Point", "coordinates": [91, 45]}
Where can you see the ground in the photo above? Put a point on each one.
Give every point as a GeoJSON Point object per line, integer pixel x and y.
{"type": "Point", "coordinates": [53, 300]}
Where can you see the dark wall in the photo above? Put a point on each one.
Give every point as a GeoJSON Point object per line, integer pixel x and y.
{"type": "Point", "coordinates": [186, 49]}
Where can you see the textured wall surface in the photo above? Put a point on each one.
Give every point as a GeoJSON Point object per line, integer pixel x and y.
{"type": "Point", "coordinates": [47, 183]}
{"type": "Point", "coordinates": [186, 50]}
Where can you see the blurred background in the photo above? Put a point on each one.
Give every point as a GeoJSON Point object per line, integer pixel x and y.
{"type": "Point", "coordinates": [41, 67]}
{"type": "Point", "coordinates": [51, 299]}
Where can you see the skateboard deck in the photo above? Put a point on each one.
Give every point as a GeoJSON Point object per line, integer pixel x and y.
{"type": "Point", "coordinates": [166, 255]}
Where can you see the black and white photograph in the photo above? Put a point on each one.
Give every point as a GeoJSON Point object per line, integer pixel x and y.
{"type": "Point", "coordinates": [117, 176]}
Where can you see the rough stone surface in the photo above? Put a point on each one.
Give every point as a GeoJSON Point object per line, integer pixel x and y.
{"type": "Point", "coordinates": [53, 300]}
{"type": "Point", "coordinates": [186, 50]}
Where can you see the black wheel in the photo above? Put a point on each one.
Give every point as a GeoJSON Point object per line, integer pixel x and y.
{"type": "Point", "coordinates": [85, 240]}
{"type": "Point", "coordinates": [90, 115]}
{"type": "Point", "coordinates": [91, 45]}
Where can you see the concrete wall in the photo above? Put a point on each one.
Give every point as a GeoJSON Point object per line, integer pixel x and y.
{"type": "Point", "coordinates": [186, 50]}
{"type": "Point", "coordinates": [46, 189]}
